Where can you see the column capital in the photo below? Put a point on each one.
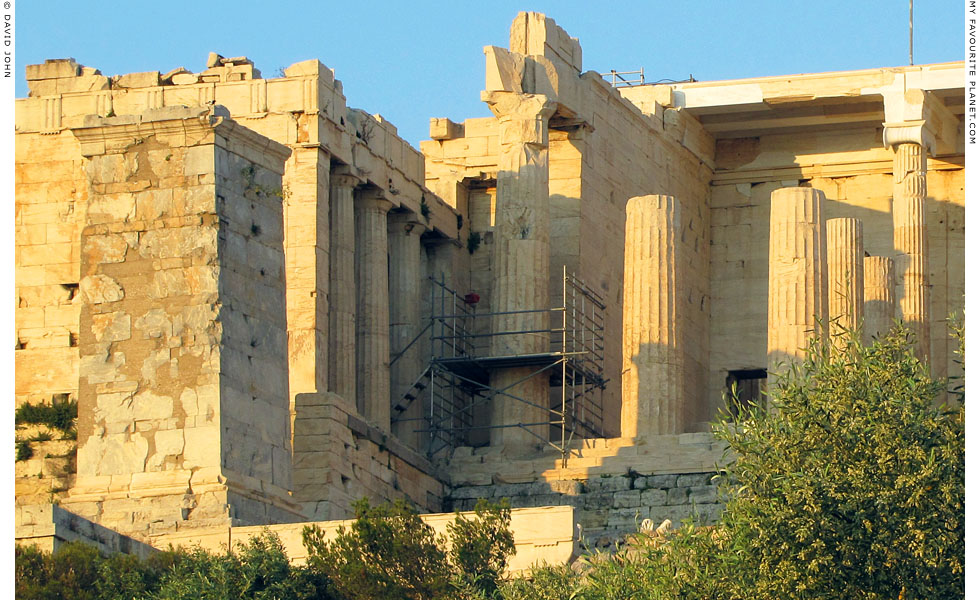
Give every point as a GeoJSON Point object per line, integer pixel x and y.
{"type": "Point", "coordinates": [523, 117]}
{"type": "Point", "coordinates": [344, 176]}
{"type": "Point", "coordinates": [407, 222]}
{"type": "Point", "coordinates": [918, 117]}
{"type": "Point", "coordinates": [372, 199]}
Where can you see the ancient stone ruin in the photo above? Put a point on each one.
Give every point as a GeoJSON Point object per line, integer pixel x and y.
{"type": "Point", "coordinates": [268, 305]}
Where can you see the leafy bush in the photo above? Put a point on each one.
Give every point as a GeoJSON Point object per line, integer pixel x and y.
{"type": "Point", "coordinates": [390, 553]}
{"type": "Point", "coordinates": [58, 415]}
{"type": "Point", "coordinates": [480, 547]}
{"type": "Point", "coordinates": [853, 485]}
{"type": "Point", "coordinates": [70, 573]}
{"type": "Point", "coordinates": [850, 486]}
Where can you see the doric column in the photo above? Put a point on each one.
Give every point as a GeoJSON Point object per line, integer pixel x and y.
{"type": "Point", "coordinates": [307, 232]}
{"type": "Point", "coordinates": [879, 296]}
{"type": "Point", "coordinates": [797, 273]}
{"type": "Point", "coordinates": [405, 250]}
{"type": "Point", "coordinates": [652, 360]}
{"type": "Point", "coordinates": [371, 274]}
{"type": "Point", "coordinates": [342, 366]}
{"type": "Point", "coordinates": [910, 241]}
{"type": "Point", "coordinates": [845, 275]}
{"type": "Point", "coordinates": [520, 264]}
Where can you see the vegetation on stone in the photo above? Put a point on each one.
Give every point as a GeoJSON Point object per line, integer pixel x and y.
{"type": "Point", "coordinates": [57, 415]}
{"type": "Point", "coordinates": [388, 553]}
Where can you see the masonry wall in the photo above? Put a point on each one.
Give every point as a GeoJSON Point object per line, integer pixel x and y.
{"type": "Point", "coordinates": [340, 458]}
{"type": "Point", "coordinates": [183, 406]}
{"type": "Point", "coordinates": [612, 484]}
{"type": "Point", "coordinates": [854, 172]}
{"type": "Point", "coordinates": [49, 213]}
{"type": "Point", "coordinates": [305, 109]}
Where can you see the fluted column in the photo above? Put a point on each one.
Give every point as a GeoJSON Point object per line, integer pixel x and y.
{"type": "Point", "coordinates": [371, 274]}
{"type": "Point", "coordinates": [879, 296]}
{"type": "Point", "coordinates": [797, 273]}
{"type": "Point", "coordinates": [845, 275]}
{"type": "Point", "coordinates": [520, 263]}
{"type": "Point", "coordinates": [652, 360]}
{"type": "Point", "coordinates": [910, 240]}
{"type": "Point", "coordinates": [342, 373]}
{"type": "Point", "coordinates": [405, 278]}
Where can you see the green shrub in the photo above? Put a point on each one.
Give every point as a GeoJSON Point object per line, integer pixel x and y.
{"type": "Point", "coordinates": [70, 573]}
{"type": "Point", "coordinates": [389, 553]}
{"type": "Point", "coordinates": [24, 451]}
{"type": "Point", "coordinates": [58, 415]}
{"type": "Point", "coordinates": [853, 485]}
{"type": "Point", "coordinates": [480, 547]}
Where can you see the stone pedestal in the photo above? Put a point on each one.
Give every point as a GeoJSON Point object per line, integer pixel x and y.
{"type": "Point", "coordinates": [521, 264]}
{"type": "Point", "coordinates": [845, 275]}
{"type": "Point", "coordinates": [910, 240]}
{"type": "Point", "coordinates": [879, 296]}
{"type": "Point", "coordinates": [797, 274]}
{"type": "Point", "coordinates": [404, 289]}
{"type": "Point", "coordinates": [652, 358]}
{"type": "Point", "coordinates": [342, 370]}
{"type": "Point", "coordinates": [371, 275]}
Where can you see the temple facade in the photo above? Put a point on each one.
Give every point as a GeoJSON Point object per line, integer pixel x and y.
{"type": "Point", "coordinates": [267, 304]}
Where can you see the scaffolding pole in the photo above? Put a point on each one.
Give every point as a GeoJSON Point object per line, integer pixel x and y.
{"type": "Point", "coordinates": [458, 372]}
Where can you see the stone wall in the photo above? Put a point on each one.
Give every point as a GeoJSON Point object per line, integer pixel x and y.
{"type": "Point", "coordinates": [340, 458]}
{"type": "Point", "coordinates": [48, 526]}
{"type": "Point", "coordinates": [613, 484]}
{"type": "Point", "coordinates": [50, 207]}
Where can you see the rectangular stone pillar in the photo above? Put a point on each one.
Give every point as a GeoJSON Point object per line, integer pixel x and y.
{"type": "Point", "coordinates": [342, 371]}
{"type": "Point", "coordinates": [521, 266]}
{"type": "Point", "coordinates": [306, 209]}
{"type": "Point", "coordinates": [404, 291]}
{"type": "Point", "coordinates": [371, 274]}
{"type": "Point", "coordinates": [653, 363]}
{"type": "Point", "coordinates": [845, 275]}
{"type": "Point", "coordinates": [911, 243]}
{"type": "Point", "coordinates": [797, 274]}
{"type": "Point", "coordinates": [183, 397]}
{"type": "Point", "coordinates": [879, 296]}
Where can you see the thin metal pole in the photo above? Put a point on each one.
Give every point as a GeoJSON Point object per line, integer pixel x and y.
{"type": "Point", "coordinates": [910, 33]}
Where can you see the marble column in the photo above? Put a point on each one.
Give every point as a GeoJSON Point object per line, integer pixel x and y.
{"type": "Point", "coordinates": [405, 279]}
{"type": "Point", "coordinates": [521, 264]}
{"type": "Point", "coordinates": [879, 296]}
{"type": "Point", "coordinates": [652, 359]}
{"type": "Point", "coordinates": [342, 373]}
{"type": "Point", "coordinates": [797, 274]}
{"type": "Point", "coordinates": [845, 276]}
{"type": "Point", "coordinates": [371, 274]}
{"type": "Point", "coordinates": [910, 241]}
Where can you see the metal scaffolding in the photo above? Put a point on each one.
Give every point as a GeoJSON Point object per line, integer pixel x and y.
{"type": "Point", "coordinates": [455, 384]}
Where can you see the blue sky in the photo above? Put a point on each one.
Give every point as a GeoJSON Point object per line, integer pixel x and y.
{"type": "Point", "coordinates": [411, 60]}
